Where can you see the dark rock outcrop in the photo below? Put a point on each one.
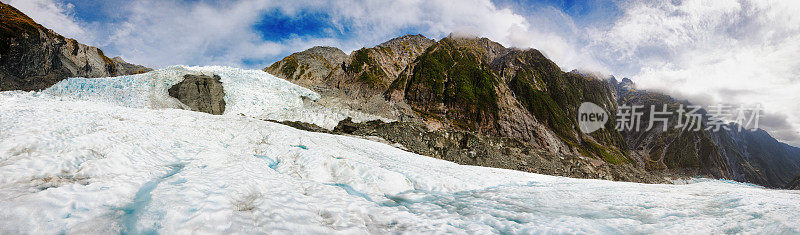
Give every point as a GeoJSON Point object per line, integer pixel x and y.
{"type": "Point", "coordinates": [33, 57]}
{"type": "Point", "coordinates": [794, 184]}
{"type": "Point", "coordinates": [201, 93]}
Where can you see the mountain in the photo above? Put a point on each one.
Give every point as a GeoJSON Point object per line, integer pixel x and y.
{"type": "Point", "coordinates": [356, 81]}
{"type": "Point", "coordinates": [756, 157]}
{"type": "Point", "coordinates": [477, 85]}
{"type": "Point", "coordinates": [744, 155]}
{"type": "Point", "coordinates": [309, 67]}
{"type": "Point", "coordinates": [33, 57]}
{"type": "Point", "coordinates": [471, 84]}
{"type": "Point", "coordinates": [689, 152]}
{"type": "Point", "coordinates": [366, 72]}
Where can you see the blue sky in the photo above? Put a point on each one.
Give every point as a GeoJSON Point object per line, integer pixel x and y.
{"type": "Point", "coordinates": [282, 24]}
{"type": "Point", "coordinates": [710, 52]}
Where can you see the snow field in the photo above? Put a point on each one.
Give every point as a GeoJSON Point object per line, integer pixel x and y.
{"type": "Point", "coordinates": [113, 155]}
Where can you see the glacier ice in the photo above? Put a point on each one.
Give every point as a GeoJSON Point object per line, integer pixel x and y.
{"type": "Point", "coordinates": [112, 155]}
{"type": "Point", "coordinates": [252, 93]}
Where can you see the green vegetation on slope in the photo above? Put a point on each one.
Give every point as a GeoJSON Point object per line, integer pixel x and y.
{"type": "Point", "coordinates": [553, 97]}
{"type": "Point", "coordinates": [453, 76]}
{"type": "Point", "coordinates": [367, 70]}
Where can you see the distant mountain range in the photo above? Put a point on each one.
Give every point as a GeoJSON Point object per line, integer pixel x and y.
{"type": "Point", "coordinates": [746, 156]}
{"type": "Point", "coordinates": [478, 85]}
{"type": "Point", "coordinates": [463, 84]}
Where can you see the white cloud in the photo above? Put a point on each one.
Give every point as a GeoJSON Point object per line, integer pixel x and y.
{"type": "Point", "coordinates": [161, 33]}
{"type": "Point", "coordinates": [53, 15]}
{"type": "Point", "coordinates": [740, 52]}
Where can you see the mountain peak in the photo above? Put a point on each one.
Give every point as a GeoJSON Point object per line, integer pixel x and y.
{"type": "Point", "coordinates": [323, 49]}
{"type": "Point", "coordinates": [626, 83]}
{"type": "Point", "coordinates": [408, 38]}
{"type": "Point", "coordinates": [34, 57]}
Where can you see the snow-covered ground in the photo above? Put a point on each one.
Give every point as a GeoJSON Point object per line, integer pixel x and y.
{"type": "Point", "coordinates": [112, 155]}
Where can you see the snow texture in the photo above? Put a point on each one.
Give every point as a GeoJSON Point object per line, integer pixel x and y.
{"type": "Point", "coordinates": [252, 93]}
{"type": "Point", "coordinates": [112, 156]}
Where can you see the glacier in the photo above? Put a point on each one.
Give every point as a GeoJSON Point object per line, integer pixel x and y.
{"type": "Point", "coordinates": [118, 155]}
{"type": "Point", "coordinates": [252, 93]}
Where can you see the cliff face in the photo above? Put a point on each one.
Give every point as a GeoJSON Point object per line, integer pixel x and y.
{"type": "Point", "coordinates": [33, 57]}
{"type": "Point", "coordinates": [453, 82]}
{"type": "Point", "coordinates": [479, 85]}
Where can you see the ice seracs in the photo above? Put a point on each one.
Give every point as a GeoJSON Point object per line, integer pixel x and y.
{"type": "Point", "coordinates": [252, 93]}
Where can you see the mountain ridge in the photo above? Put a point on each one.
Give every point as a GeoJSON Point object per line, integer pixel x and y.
{"type": "Point", "coordinates": [33, 57]}
{"type": "Point", "coordinates": [478, 85]}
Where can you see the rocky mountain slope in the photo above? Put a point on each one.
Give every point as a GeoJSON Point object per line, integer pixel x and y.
{"type": "Point", "coordinates": [33, 57]}
{"type": "Point", "coordinates": [468, 148]}
{"type": "Point", "coordinates": [742, 155]}
{"type": "Point", "coordinates": [364, 73]}
{"type": "Point", "coordinates": [356, 81]}
{"type": "Point", "coordinates": [756, 157]}
{"type": "Point", "coordinates": [470, 84]}
{"type": "Point", "coordinates": [480, 86]}
{"type": "Point", "coordinates": [794, 184]}
{"type": "Point", "coordinates": [691, 152]}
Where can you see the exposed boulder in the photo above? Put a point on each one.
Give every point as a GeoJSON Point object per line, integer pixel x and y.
{"type": "Point", "coordinates": [346, 126]}
{"type": "Point", "coordinates": [201, 93]}
{"type": "Point", "coordinates": [33, 57]}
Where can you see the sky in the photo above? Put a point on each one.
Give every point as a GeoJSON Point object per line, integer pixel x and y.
{"type": "Point", "coordinates": [709, 52]}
